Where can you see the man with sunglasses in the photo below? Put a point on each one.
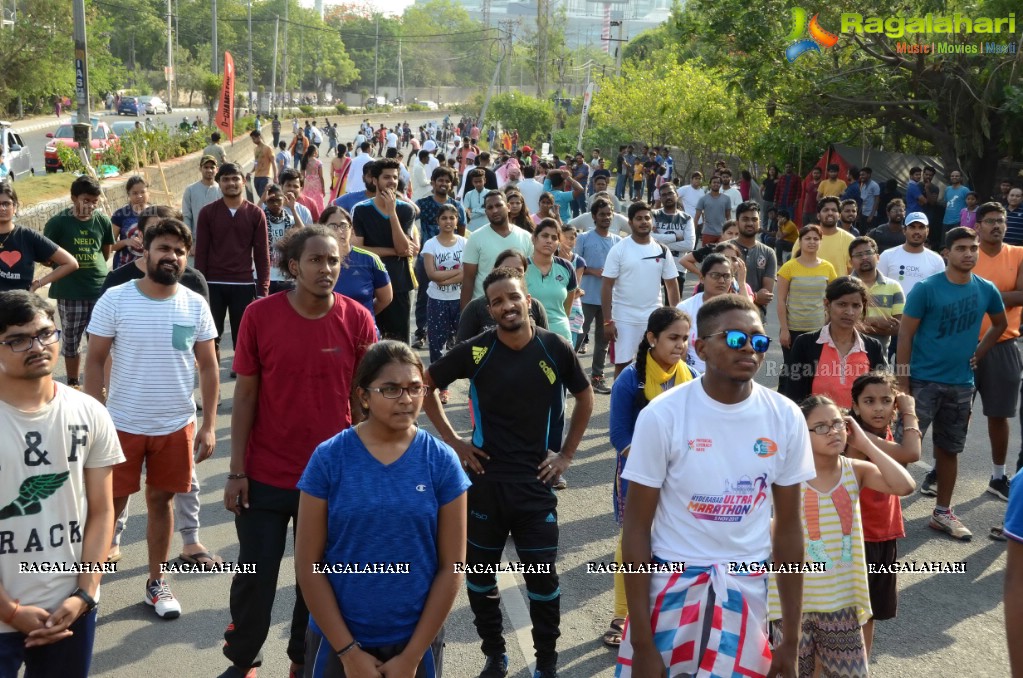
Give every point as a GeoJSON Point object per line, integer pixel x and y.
{"type": "Point", "coordinates": [702, 491]}
{"type": "Point", "coordinates": [57, 450]}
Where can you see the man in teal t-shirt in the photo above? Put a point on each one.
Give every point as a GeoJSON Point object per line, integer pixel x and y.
{"type": "Point", "coordinates": [935, 360]}
{"type": "Point", "coordinates": [89, 237]}
{"type": "Point", "coordinates": [955, 199]}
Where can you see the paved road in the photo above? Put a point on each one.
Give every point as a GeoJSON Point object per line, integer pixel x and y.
{"type": "Point", "coordinates": [948, 625]}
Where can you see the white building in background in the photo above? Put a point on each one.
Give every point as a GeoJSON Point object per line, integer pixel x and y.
{"type": "Point", "coordinates": [585, 17]}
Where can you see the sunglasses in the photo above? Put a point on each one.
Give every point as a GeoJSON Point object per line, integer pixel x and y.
{"type": "Point", "coordinates": [736, 339]}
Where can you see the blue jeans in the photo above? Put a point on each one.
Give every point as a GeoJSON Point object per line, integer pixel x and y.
{"type": "Point", "coordinates": [620, 183]}
{"type": "Point", "coordinates": [68, 658]}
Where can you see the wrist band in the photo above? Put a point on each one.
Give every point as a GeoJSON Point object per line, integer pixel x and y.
{"type": "Point", "coordinates": [17, 606]}
{"type": "Point", "coordinates": [236, 476]}
{"type": "Point", "coordinates": [348, 648]}
{"type": "Point", "coordinates": [913, 428]}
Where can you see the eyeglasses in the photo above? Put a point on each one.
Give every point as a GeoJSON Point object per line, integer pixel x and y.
{"type": "Point", "coordinates": [23, 344]}
{"type": "Point", "coordinates": [863, 255]}
{"type": "Point", "coordinates": [393, 392]}
{"type": "Point", "coordinates": [720, 277]}
{"type": "Point", "coordinates": [993, 222]}
{"type": "Point", "coordinates": [7, 204]}
{"type": "Point", "coordinates": [341, 226]}
{"type": "Point", "coordinates": [828, 429]}
{"type": "Point", "coordinates": [736, 339]}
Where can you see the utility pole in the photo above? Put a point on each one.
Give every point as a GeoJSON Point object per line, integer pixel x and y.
{"type": "Point", "coordinates": [250, 57]}
{"type": "Point", "coordinates": [216, 62]}
{"type": "Point", "coordinates": [83, 127]}
{"type": "Point", "coordinates": [508, 28]}
{"type": "Point", "coordinates": [284, 75]}
{"type": "Point", "coordinates": [376, 59]}
{"type": "Point", "coordinates": [620, 23]}
{"type": "Point", "coordinates": [542, 19]}
{"type": "Point", "coordinates": [273, 74]}
{"type": "Point", "coordinates": [170, 58]}
{"type": "Point", "coordinates": [401, 74]}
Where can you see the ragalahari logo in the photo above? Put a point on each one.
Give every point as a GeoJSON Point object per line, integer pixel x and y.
{"type": "Point", "coordinates": [819, 36]}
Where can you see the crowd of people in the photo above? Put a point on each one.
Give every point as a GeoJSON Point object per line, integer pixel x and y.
{"type": "Point", "coordinates": [510, 269]}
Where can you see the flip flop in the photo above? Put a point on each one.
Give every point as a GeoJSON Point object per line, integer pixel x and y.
{"type": "Point", "coordinates": [199, 558]}
{"type": "Point", "coordinates": [997, 533]}
{"type": "Point", "coordinates": [114, 557]}
{"type": "Point", "coordinates": [613, 636]}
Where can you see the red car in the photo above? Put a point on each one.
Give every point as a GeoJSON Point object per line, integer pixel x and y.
{"type": "Point", "coordinates": [102, 137]}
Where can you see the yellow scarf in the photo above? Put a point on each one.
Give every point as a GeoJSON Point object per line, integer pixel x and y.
{"type": "Point", "coordinates": [658, 381]}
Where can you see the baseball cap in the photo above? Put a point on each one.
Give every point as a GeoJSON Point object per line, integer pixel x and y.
{"type": "Point", "coordinates": [526, 150]}
{"type": "Point", "coordinates": [207, 158]}
{"type": "Point", "coordinates": [914, 217]}
{"type": "Point", "coordinates": [228, 169]}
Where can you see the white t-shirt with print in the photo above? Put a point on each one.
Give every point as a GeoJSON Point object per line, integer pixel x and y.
{"type": "Point", "coordinates": [43, 510]}
{"type": "Point", "coordinates": [638, 271]}
{"type": "Point", "coordinates": [153, 361]}
{"type": "Point", "coordinates": [909, 268]}
{"type": "Point", "coordinates": [445, 259]}
{"type": "Point", "coordinates": [692, 306]}
{"type": "Point", "coordinates": [714, 465]}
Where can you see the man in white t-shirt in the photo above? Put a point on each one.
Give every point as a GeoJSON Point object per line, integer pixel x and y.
{"type": "Point", "coordinates": [392, 139]}
{"type": "Point", "coordinates": [710, 461]}
{"type": "Point", "coordinates": [631, 288]}
{"type": "Point", "coordinates": [911, 262]}
{"type": "Point", "coordinates": [530, 188]}
{"type": "Point", "coordinates": [690, 195]}
{"type": "Point", "coordinates": [356, 169]}
{"type": "Point", "coordinates": [57, 450]}
{"type": "Point", "coordinates": [156, 331]}
{"type": "Point", "coordinates": [729, 189]}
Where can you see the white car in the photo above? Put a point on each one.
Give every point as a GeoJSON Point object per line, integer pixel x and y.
{"type": "Point", "coordinates": [431, 105]}
{"type": "Point", "coordinates": [154, 105]}
{"type": "Point", "coordinates": [16, 156]}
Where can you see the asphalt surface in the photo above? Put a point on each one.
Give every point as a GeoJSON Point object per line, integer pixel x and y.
{"type": "Point", "coordinates": [948, 624]}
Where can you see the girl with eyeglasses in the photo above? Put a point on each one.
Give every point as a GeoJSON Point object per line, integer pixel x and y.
{"type": "Point", "coordinates": [716, 277]}
{"type": "Point", "coordinates": [363, 275]}
{"type": "Point", "coordinates": [836, 599]}
{"type": "Point", "coordinates": [389, 496]}
{"type": "Point", "coordinates": [827, 361]}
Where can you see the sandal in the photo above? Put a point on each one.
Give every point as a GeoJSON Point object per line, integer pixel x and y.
{"type": "Point", "coordinates": [202, 558]}
{"type": "Point", "coordinates": [613, 636]}
{"type": "Point", "coordinates": [997, 533]}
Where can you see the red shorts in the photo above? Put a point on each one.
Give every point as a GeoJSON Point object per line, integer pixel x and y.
{"type": "Point", "coordinates": [168, 461]}
{"type": "Point", "coordinates": [710, 239]}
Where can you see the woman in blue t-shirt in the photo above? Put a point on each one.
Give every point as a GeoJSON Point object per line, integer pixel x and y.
{"type": "Point", "coordinates": [363, 276]}
{"type": "Point", "coordinates": [128, 238]}
{"type": "Point", "coordinates": [383, 525]}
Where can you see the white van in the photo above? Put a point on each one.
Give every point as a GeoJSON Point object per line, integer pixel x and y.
{"type": "Point", "coordinates": [17, 157]}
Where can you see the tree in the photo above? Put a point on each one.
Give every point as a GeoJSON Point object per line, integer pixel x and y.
{"type": "Point", "coordinates": [532, 117]}
{"type": "Point", "coordinates": [210, 89]}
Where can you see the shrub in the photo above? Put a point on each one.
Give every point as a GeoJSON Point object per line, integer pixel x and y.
{"type": "Point", "coordinates": [306, 110]}
{"type": "Point", "coordinates": [341, 107]}
{"type": "Point", "coordinates": [417, 108]}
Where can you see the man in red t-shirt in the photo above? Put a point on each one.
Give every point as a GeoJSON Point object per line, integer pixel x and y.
{"type": "Point", "coordinates": [810, 186]}
{"type": "Point", "coordinates": [296, 358]}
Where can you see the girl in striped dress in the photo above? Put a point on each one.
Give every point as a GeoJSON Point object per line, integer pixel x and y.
{"type": "Point", "coordinates": [836, 600]}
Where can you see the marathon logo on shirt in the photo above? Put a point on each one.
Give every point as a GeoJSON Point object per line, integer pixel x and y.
{"type": "Point", "coordinates": [732, 505]}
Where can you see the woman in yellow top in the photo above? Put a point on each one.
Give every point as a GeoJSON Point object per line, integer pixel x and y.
{"type": "Point", "coordinates": [836, 600]}
{"type": "Point", "coordinates": [800, 291]}
{"type": "Point", "coordinates": [788, 233]}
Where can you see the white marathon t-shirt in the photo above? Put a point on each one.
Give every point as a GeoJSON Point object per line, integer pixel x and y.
{"type": "Point", "coordinates": [714, 465]}
{"type": "Point", "coordinates": [43, 507]}
{"type": "Point", "coordinates": [638, 271]}
{"type": "Point", "coordinates": [445, 259]}
{"type": "Point", "coordinates": [153, 371]}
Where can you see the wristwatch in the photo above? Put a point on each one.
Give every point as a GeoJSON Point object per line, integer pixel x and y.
{"type": "Point", "coordinates": [90, 602]}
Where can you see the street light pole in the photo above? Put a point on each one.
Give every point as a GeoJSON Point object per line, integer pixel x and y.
{"type": "Point", "coordinates": [250, 56]}
{"type": "Point", "coordinates": [83, 127]}
{"type": "Point", "coordinates": [170, 58]}
{"type": "Point", "coordinates": [215, 67]}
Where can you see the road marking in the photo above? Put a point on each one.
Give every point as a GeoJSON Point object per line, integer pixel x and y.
{"type": "Point", "coordinates": [515, 602]}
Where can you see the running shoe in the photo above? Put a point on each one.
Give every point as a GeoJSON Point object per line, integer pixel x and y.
{"type": "Point", "coordinates": [560, 483]}
{"type": "Point", "coordinates": [419, 343]}
{"type": "Point", "coordinates": [999, 488]}
{"type": "Point", "coordinates": [496, 666]}
{"type": "Point", "coordinates": [599, 386]}
{"type": "Point", "coordinates": [950, 523]}
{"type": "Point", "coordinates": [545, 673]}
{"type": "Point", "coordinates": [929, 485]}
{"type": "Point", "coordinates": [160, 598]}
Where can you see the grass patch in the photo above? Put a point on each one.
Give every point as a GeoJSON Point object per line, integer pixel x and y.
{"type": "Point", "coordinates": [33, 190]}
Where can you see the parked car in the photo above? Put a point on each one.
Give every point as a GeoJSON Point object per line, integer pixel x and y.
{"type": "Point", "coordinates": [154, 105]}
{"type": "Point", "coordinates": [121, 127]}
{"type": "Point", "coordinates": [102, 137]}
{"type": "Point", "coordinates": [131, 106]}
{"type": "Point", "coordinates": [17, 157]}
{"type": "Point", "coordinates": [430, 105]}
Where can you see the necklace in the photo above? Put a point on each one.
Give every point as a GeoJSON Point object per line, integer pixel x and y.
{"type": "Point", "coordinates": [7, 237]}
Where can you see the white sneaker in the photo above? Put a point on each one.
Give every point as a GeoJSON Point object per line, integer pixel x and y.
{"type": "Point", "coordinates": [950, 523]}
{"type": "Point", "coordinates": [160, 598]}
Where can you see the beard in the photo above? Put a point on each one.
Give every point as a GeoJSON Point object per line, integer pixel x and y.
{"type": "Point", "coordinates": [161, 275]}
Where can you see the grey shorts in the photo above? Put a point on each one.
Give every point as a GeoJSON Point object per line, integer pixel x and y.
{"type": "Point", "coordinates": [948, 407]}
{"type": "Point", "coordinates": [74, 318]}
{"type": "Point", "coordinates": [998, 379]}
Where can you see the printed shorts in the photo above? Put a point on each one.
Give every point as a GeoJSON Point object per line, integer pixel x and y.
{"type": "Point", "coordinates": [74, 318]}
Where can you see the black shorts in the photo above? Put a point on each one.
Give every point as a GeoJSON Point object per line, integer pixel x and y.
{"type": "Point", "coordinates": [998, 377]}
{"type": "Point", "coordinates": [884, 590]}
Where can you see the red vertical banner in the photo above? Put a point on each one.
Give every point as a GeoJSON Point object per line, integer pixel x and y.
{"type": "Point", "coordinates": [224, 118]}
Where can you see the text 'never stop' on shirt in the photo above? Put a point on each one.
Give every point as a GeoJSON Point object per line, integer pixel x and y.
{"type": "Point", "coordinates": [715, 479]}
